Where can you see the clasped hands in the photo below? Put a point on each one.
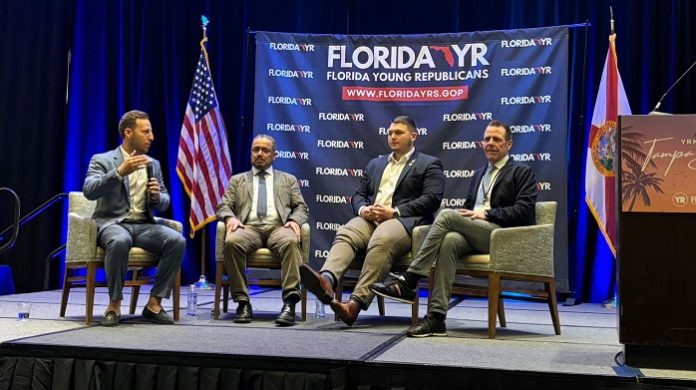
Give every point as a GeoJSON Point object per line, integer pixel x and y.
{"type": "Point", "coordinates": [233, 224]}
{"type": "Point", "coordinates": [131, 164]}
{"type": "Point", "coordinates": [377, 213]}
{"type": "Point", "coordinates": [473, 214]}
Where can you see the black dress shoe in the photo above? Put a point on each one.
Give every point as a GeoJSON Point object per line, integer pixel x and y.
{"type": "Point", "coordinates": [158, 318]}
{"type": "Point", "coordinates": [317, 284]}
{"type": "Point", "coordinates": [244, 313]}
{"type": "Point", "coordinates": [287, 315]}
{"type": "Point", "coordinates": [111, 318]}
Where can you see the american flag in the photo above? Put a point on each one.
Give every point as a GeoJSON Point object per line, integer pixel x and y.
{"type": "Point", "coordinates": [203, 164]}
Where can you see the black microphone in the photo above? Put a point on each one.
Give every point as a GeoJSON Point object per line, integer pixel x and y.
{"type": "Point", "coordinates": [150, 171]}
{"type": "Point", "coordinates": [659, 102]}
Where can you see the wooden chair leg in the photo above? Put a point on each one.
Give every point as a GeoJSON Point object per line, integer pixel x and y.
{"type": "Point", "coordinates": [493, 298]}
{"type": "Point", "coordinates": [501, 313]}
{"type": "Point", "coordinates": [135, 293]}
{"type": "Point", "coordinates": [218, 287]}
{"type": "Point", "coordinates": [414, 308]}
{"type": "Point", "coordinates": [66, 291]}
{"type": "Point", "coordinates": [176, 295]}
{"type": "Point", "coordinates": [430, 285]}
{"type": "Point", "coordinates": [303, 302]}
{"type": "Point", "coordinates": [380, 305]}
{"type": "Point", "coordinates": [338, 295]}
{"type": "Point", "coordinates": [90, 287]}
{"type": "Point", "coordinates": [550, 287]}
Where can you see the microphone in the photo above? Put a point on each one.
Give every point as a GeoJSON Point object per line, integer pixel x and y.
{"type": "Point", "coordinates": [150, 172]}
{"type": "Point", "coordinates": [659, 102]}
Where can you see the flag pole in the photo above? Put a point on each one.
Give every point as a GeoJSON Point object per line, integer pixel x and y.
{"type": "Point", "coordinates": [202, 283]}
{"type": "Point", "coordinates": [612, 302]}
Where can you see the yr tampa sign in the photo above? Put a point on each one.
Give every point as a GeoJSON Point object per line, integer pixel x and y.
{"type": "Point", "coordinates": [658, 164]}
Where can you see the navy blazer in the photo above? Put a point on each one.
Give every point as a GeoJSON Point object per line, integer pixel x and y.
{"type": "Point", "coordinates": [513, 196]}
{"type": "Point", "coordinates": [113, 193]}
{"type": "Point", "coordinates": [418, 191]}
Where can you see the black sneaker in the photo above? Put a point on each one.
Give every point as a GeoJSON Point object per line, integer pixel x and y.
{"type": "Point", "coordinates": [395, 289]}
{"type": "Point", "coordinates": [430, 326]}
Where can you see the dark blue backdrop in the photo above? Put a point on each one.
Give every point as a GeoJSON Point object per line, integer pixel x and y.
{"type": "Point", "coordinates": [71, 67]}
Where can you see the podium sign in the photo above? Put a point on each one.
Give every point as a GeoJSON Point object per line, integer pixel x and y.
{"type": "Point", "coordinates": [656, 251]}
{"type": "Point", "coordinates": [658, 164]}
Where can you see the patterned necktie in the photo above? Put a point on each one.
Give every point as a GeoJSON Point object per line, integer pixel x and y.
{"type": "Point", "coordinates": [261, 201]}
{"type": "Point", "coordinates": [485, 188]}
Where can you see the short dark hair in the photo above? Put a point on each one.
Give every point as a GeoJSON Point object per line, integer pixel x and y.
{"type": "Point", "coordinates": [496, 123]}
{"type": "Point", "coordinates": [265, 136]}
{"type": "Point", "coordinates": [128, 120]}
{"type": "Point", "coordinates": [406, 120]}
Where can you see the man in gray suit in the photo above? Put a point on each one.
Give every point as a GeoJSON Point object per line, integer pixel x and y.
{"type": "Point", "coordinates": [257, 214]}
{"type": "Point", "coordinates": [127, 184]}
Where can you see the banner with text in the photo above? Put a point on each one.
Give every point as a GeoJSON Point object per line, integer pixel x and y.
{"type": "Point", "coordinates": [329, 99]}
{"type": "Point", "coordinates": [658, 164]}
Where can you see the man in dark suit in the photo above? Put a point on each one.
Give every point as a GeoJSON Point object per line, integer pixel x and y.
{"type": "Point", "coordinates": [127, 184]}
{"type": "Point", "coordinates": [502, 194]}
{"type": "Point", "coordinates": [396, 193]}
{"type": "Point", "coordinates": [258, 215]}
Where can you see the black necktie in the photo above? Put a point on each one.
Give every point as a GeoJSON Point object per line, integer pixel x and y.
{"type": "Point", "coordinates": [261, 201]}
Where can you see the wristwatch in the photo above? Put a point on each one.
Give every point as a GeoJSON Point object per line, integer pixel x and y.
{"type": "Point", "coordinates": [395, 214]}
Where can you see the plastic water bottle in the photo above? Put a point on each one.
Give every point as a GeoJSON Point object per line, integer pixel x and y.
{"type": "Point", "coordinates": [192, 301]}
{"type": "Point", "coordinates": [319, 310]}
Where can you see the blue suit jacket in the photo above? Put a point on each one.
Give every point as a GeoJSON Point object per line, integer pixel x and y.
{"type": "Point", "coordinates": [113, 193]}
{"type": "Point", "coordinates": [513, 196]}
{"type": "Point", "coordinates": [418, 191]}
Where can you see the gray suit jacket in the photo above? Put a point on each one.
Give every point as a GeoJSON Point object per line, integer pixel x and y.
{"type": "Point", "coordinates": [287, 197]}
{"type": "Point", "coordinates": [113, 193]}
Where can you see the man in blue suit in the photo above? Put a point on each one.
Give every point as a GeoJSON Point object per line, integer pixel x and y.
{"type": "Point", "coordinates": [396, 193]}
{"type": "Point", "coordinates": [127, 184]}
{"type": "Point", "coordinates": [502, 194]}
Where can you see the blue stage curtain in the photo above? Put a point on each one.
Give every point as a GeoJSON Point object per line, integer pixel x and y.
{"type": "Point", "coordinates": [127, 54]}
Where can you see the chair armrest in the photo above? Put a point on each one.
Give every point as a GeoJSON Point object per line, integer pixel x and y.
{"type": "Point", "coordinates": [81, 244]}
{"type": "Point", "coordinates": [523, 249]}
{"type": "Point", "coordinates": [176, 225]}
{"type": "Point", "coordinates": [220, 241]}
{"type": "Point", "coordinates": [418, 237]}
{"type": "Point", "coordinates": [304, 236]}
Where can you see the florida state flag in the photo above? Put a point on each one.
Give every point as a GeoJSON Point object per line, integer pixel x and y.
{"type": "Point", "coordinates": [602, 147]}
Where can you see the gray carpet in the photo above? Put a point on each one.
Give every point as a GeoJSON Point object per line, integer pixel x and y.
{"type": "Point", "coordinates": [588, 343]}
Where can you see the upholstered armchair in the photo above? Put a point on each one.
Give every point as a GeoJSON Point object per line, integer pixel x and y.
{"type": "Point", "coordinates": [523, 253]}
{"type": "Point", "coordinates": [83, 253]}
{"type": "Point", "coordinates": [261, 258]}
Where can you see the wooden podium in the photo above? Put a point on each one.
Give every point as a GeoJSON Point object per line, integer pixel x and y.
{"type": "Point", "coordinates": [656, 251]}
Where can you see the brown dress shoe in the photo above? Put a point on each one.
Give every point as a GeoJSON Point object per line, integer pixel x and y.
{"type": "Point", "coordinates": [317, 284]}
{"type": "Point", "coordinates": [347, 311]}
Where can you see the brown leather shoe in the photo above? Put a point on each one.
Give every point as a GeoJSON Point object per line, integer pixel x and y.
{"type": "Point", "coordinates": [347, 311]}
{"type": "Point", "coordinates": [318, 285]}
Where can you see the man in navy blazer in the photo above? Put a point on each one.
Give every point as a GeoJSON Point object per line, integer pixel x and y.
{"type": "Point", "coordinates": [127, 185]}
{"type": "Point", "coordinates": [396, 193]}
{"type": "Point", "coordinates": [502, 194]}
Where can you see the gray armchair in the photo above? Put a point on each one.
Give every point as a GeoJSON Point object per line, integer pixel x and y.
{"type": "Point", "coordinates": [261, 258]}
{"type": "Point", "coordinates": [523, 253]}
{"type": "Point", "coordinates": [82, 252]}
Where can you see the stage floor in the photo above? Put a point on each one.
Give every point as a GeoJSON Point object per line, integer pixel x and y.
{"type": "Point", "coordinates": [588, 344]}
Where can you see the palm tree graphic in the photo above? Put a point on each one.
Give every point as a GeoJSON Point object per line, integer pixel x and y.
{"type": "Point", "coordinates": [636, 181]}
